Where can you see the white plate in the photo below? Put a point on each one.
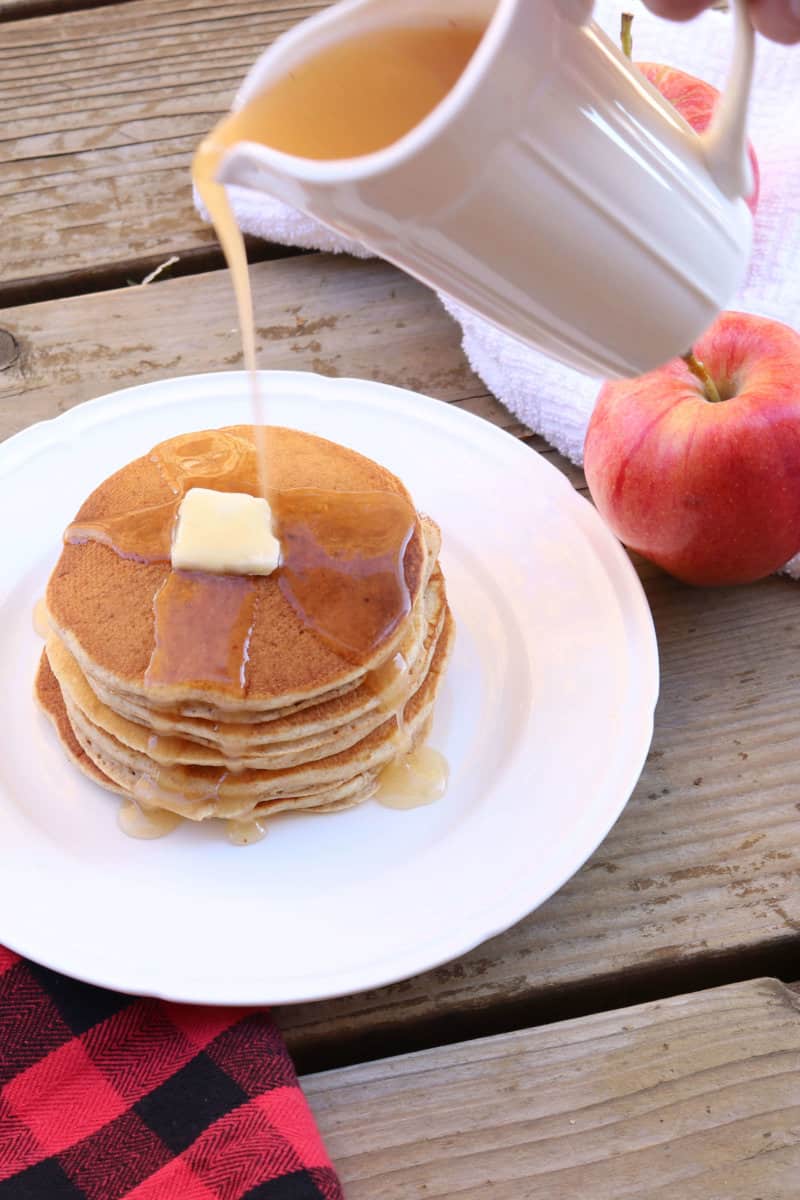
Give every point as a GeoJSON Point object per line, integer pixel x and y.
{"type": "Point", "coordinates": [545, 717]}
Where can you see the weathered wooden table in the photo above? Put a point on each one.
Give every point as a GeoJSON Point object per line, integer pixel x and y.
{"type": "Point", "coordinates": [622, 1041]}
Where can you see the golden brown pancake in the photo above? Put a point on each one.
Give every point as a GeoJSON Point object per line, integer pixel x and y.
{"type": "Point", "coordinates": [228, 725]}
{"type": "Point", "coordinates": [318, 737]}
{"type": "Point", "coordinates": [201, 792]}
{"type": "Point", "coordinates": [101, 604]}
{"type": "Point", "coordinates": [48, 695]}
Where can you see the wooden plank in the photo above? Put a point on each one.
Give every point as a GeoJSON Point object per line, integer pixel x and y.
{"type": "Point", "coordinates": [700, 872]}
{"type": "Point", "coordinates": [102, 110]}
{"type": "Point", "coordinates": [336, 316]}
{"type": "Point", "coordinates": [697, 1097]}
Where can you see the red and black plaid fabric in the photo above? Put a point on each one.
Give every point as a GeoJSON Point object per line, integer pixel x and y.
{"type": "Point", "coordinates": [105, 1096]}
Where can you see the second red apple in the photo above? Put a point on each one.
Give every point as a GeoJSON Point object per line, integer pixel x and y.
{"type": "Point", "coordinates": [695, 100]}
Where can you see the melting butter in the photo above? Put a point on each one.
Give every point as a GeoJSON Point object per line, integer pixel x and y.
{"type": "Point", "coordinates": [225, 533]}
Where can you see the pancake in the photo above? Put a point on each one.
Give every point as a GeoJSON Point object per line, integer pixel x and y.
{"type": "Point", "coordinates": [256, 747]}
{"type": "Point", "coordinates": [203, 783]}
{"type": "Point", "coordinates": [237, 697]}
{"type": "Point", "coordinates": [47, 692]}
{"type": "Point", "coordinates": [226, 726]}
{"type": "Point", "coordinates": [198, 792]}
{"type": "Point", "coordinates": [101, 604]}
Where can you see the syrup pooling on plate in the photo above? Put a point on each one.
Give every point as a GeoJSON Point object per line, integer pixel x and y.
{"type": "Point", "coordinates": [414, 779]}
{"type": "Point", "coordinates": [138, 821]}
{"type": "Point", "coordinates": [245, 832]}
{"type": "Point", "coordinates": [149, 814]}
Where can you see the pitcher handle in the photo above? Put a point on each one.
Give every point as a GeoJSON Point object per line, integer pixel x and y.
{"type": "Point", "coordinates": [724, 143]}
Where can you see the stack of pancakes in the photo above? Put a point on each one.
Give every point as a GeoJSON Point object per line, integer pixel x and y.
{"type": "Point", "coordinates": [305, 728]}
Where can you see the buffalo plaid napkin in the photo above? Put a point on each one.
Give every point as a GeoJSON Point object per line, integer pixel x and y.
{"type": "Point", "coordinates": [105, 1096]}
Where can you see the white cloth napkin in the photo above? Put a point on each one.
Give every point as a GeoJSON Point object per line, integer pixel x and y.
{"type": "Point", "coordinates": [552, 399]}
{"type": "Point", "coordinates": [271, 219]}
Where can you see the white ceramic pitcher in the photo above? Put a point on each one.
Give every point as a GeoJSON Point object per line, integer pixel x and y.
{"type": "Point", "coordinates": [553, 191]}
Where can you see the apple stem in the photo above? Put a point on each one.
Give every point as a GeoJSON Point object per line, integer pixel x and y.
{"type": "Point", "coordinates": [701, 372]}
{"type": "Point", "coordinates": [626, 34]}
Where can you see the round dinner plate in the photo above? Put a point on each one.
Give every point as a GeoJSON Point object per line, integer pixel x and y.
{"type": "Point", "coordinates": [545, 718]}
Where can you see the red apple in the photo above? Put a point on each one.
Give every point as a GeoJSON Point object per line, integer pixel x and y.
{"type": "Point", "coordinates": [695, 100]}
{"type": "Point", "coordinates": [704, 479]}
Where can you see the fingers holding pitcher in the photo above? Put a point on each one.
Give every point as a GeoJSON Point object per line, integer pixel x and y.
{"type": "Point", "coordinates": [776, 19]}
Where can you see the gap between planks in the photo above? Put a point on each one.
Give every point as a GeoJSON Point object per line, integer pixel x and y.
{"type": "Point", "coordinates": [336, 1048]}
{"type": "Point", "coordinates": [19, 10]}
{"type": "Point", "coordinates": [89, 280]}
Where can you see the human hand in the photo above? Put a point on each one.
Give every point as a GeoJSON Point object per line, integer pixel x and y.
{"type": "Point", "coordinates": [776, 19]}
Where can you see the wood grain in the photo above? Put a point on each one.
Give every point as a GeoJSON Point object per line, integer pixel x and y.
{"type": "Point", "coordinates": [102, 110]}
{"type": "Point", "coordinates": [335, 316]}
{"type": "Point", "coordinates": [700, 873]}
{"type": "Point", "coordinates": [697, 1097]}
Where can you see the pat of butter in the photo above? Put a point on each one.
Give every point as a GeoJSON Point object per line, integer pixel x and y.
{"type": "Point", "coordinates": [225, 533]}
